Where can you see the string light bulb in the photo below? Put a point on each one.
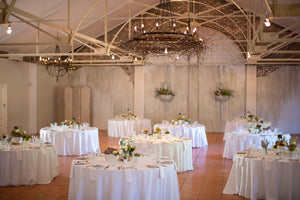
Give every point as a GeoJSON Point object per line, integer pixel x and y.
{"type": "Point", "coordinates": [113, 57]}
{"type": "Point", "coordinates": [9, 30]}
{"type": "Point", "coordinates": [166, 51]}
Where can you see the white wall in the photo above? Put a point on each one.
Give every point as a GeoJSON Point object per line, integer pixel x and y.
{"type": "Point", "coordinates": [111, 92]}
{"type": "Point", "coordinates": [21, 87]}
{"type": "Point", "coordinates": [278, 98]}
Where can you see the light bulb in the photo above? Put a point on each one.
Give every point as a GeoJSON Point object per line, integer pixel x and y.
{"type": "Point", "coordinates": [156, 24]}
{"type": "Point", "coordinates": [166, 51]}
{"type": "Point", "coordinates": [248, 55]}
{"type": "Point", "coordinates": [9, 30]}
{"type": "Point", "coordinates": [40, 59]}
{"type": "Point", "coordinates": [187, 28]}
{"type": "Point", "coordinates": [113, 57]}
{"type": "Point", "coordinates": [267, 23]}
{"type": "Point", "coordinates": [135, 59]}
{"type": "Point", "coordinates": [174, 25]}
{"type": "Point", "coordinates": [177, 57]}
{"type": "Point", "coordinates": [135, 28]}
{"type": "Point", "coordinates": [142, 25]}
{"type": "Point", "coordinates": [194, 30]}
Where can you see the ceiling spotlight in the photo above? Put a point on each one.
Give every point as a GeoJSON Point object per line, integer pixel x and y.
{"type": "Point", "coordinates": [267, 22]}
{"type": "Point", "coordinates": [9, 30]}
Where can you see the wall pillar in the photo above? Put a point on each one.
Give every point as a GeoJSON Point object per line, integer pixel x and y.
{"type": "Point", "coordinates": [139, 91]}
{"type": "Point", "coordinates": [251, 89]}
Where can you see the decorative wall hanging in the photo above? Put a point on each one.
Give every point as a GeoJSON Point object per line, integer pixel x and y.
{"type": "Point", "coordinates": [164, 93]}
{"type": "Point", "coordinates": [222, 94]}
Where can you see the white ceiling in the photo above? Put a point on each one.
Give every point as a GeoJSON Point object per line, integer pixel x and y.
{"type": "Point", "coordinates": [40, 12]}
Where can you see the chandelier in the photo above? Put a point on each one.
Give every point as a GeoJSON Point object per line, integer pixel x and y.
{"type": "Point", "coordinates": [57, 66]}
{"type": "Point", "coordinates": [164, 37]}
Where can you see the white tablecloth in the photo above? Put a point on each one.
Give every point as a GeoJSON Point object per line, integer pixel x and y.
{"type": "Point", "coordinates": [236, 141]}
{"type": "Point", "coordinates": [195, 132]}
{"type": "Point", "coordinates": [235, 125]}
{"type": "Point", "coordinates": [145, 180]}
{"type": "Point", "coordinates": [71, 141]}
{"type": "Point", "coordinates": [264, 178]}
{"type": "Point", "coordinates": [123, 127]}
{"type": "Point", "coordinates": [178, 149]}
{"type": "Point", "coordinates": [29, 166]}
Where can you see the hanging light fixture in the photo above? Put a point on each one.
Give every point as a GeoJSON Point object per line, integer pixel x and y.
{"type": "Point", "coordinates": [163, 37]}
{"type": "Point", "coordinates": [9, 29]}
{"type": "Point", "coordinates": [57, 66]}
{"type": "Point", "coordinates": [267, 22]}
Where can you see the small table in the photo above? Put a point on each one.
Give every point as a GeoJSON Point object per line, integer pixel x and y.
{"type": "Point", "coordinates": [70, 141]}
{"type": "Point", "coordinates": [124, 127]}
{"type": "Point", "coordinates": [177, 149]}
{"type": "Point", "coordinates": [144, 179]}
{"type": "Point", "coordinates": [32, 165]}
{"type": "Point", "coordinates": [239, 141]}
{"type": "Point", "coordinates": [195, 132]}
{"type": "Point", "coordinates": [260, 176]}
{"type": "Point", "coordinates": [235, 125]}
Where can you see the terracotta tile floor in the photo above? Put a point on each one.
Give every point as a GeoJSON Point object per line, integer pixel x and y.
{"type": "Point", "coordinates": [205, 182]}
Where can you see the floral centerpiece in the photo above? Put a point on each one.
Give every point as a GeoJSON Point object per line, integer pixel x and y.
{"type": "Point", "coordinates": [281, 142]}
{"type": "Point", "coordinates": [265, 145]}
{"type": "Point", "coordinates": [2, 136]}
{"type": "Point", "coordinates": [183, 118]}
{"type": "Point", "coordinates": [126, 149]}
{"type": "Point", "coordinates": [111, 150]}
{"type": "Point", "coordinates": [145, 131]}
{"type": "Point", "coordinates": [157, 130]}
{"type": "Point", "coordinates": [19, 133]}
{"type": "Point", "coordinates": [68, 122]}
{"type": "Point", "coordinates": [292, 145]}
{"type": "Point", "coordinates": [258, 127]}
{"type": "Point", "coordinates": [128, 115]}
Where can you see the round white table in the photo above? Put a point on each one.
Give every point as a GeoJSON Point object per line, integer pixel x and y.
{"type": "Point", "coordinates": [70, 141]}
{"type": "Point", "coordinates": [195, 132]}
{"type": "Point", "coordinates": [261, 176]}
{"type": "Point", "coordinates": [177, 149]}
{"type": "Point", "coordinates": [236, 125]}
{"type": "Point", "coordinates": [239, 141]}
{"type": "Point", "coordinates": [123, 127]}
{"type": "Point", "coordinates": [97, 179]}
{"type": "Point", "coordinates": [33, 165]}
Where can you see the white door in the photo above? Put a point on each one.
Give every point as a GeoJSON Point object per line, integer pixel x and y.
{"type": "Point", "coordinates": [3, 108]}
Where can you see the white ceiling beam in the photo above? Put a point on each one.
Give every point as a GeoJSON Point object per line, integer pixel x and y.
{"type": "Point", "coordinates": [8, 11]}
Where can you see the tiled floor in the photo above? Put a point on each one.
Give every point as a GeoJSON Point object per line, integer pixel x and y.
{"type": "Point", "coordinates": [205, 182]}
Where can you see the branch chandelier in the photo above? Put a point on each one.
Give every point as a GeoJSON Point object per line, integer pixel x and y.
{"type": "Point", "coordinates": [57, 66]}
{"type": "Point", "coordinates": [165, 39]}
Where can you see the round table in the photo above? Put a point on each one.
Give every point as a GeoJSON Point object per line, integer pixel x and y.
{"type": "Point", "coordinates": [69, 141]}
{"type": "Point", "coordinates": [32, 165]}
{"type": "Point", "coordinates": [260, 176]}
{"type": "Point", "coordinates": [124, 127]}
{"type": "Point", "coordinates": [145, 179]}
{"type": "Point", "coordinates": [178, 149]}
{"type": "Point", "coordinates": [195, 132]}
{"type": "Point", "coordinates": [235, 125]}
{"type": "Point", "coordinates": [239, 141]}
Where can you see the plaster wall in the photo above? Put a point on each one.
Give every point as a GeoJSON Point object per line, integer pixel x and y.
{"type": "Point", "coordinates": [111, 92]}
{"type": "Point", "coordinates": [278, 98]}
